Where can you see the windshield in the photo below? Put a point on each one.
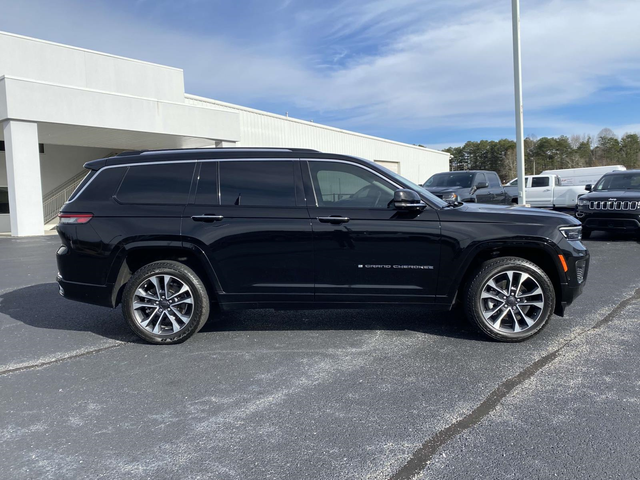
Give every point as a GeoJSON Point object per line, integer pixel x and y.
{"type": "Point", "coordinates": [626, 181]}
{"type": "Point", "coordinates": [430, 196]}
{"type": "Point", "coordinates": [459, 179]}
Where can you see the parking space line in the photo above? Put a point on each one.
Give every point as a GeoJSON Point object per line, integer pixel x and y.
{"type": "Point", "coordinates": [33, 366]}
{"type": "Point", "coordinates": [423, 455]}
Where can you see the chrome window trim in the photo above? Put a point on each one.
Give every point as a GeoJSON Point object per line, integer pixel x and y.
{"type": "Point", "coordinates": [167, 162]}
{"type": "Point", "coordinates": [280, 159]}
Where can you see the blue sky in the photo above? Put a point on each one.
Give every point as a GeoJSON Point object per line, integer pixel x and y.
{"type": "Point", "coordinates": [432, 72]}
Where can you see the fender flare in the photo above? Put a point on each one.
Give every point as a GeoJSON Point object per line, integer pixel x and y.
{"type": "Point", "coordinates": [543, 245]}
{"type": "Point", "coordinates": [120, 271]}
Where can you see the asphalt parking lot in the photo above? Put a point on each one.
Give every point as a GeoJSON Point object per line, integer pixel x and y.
{"type": "Point", "coordinates": [328, 394]}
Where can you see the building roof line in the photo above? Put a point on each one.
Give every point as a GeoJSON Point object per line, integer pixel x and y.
{"type": "Point", "coordinates": [86, 50]}
{"type": "Point", "coordinates": [304, 122]}
{"type": "Point", "coordinates": [106, 92]}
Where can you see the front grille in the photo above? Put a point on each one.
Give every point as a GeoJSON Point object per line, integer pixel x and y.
{"type": "Point", "coordinates": [611, 205]}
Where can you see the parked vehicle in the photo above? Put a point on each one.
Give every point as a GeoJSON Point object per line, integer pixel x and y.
{"type": "Point", "coordinates": [547, 191]}
{"type": "Point", "coordinates": [582, 176]}
{"type": "Point", "coordinates": [476, 186]}
{"type": "Point", "coordinates": [613, 204]}
{"type": "Point", "coordinates": [168, 233]}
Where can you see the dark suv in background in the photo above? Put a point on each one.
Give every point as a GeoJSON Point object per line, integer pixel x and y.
{"type": "Point", "coordinates": [168, 233]}
{"type": "Point", "coordinates": [613, 204]}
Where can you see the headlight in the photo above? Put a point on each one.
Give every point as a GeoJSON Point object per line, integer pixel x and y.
{"type": "Point", "coordinates": [450, 197]}
{"type": "Point", "coordinates": [583, 203]}
{"type": "Point", "coordinates": [572, 233]}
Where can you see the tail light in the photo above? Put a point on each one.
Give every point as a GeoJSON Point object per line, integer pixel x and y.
{"type": "Point", "coordinates": [74, 218]}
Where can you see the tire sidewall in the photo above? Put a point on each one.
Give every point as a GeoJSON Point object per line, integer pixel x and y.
{"type": "Point", "coordinates": [490, 270]}
{"type": "Point", "coordinates": [184, 274]}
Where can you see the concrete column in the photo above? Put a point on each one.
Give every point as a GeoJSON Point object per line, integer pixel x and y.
{"type": "Point", "coordinates": [222, 143]}
{"type": "Point", "coordinates": [23, 178]}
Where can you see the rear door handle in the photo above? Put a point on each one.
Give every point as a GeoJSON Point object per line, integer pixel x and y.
{"type": "Point", "coordinates": [207, 218]}
{"type": "Point", "coordinates": [333, 219]}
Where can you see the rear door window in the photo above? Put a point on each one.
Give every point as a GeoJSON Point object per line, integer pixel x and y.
{"type": "Point", "coordinates": [539, 182]}
{"type": "Point", "coordinates": [207, 193]}
{"type": "Point", "coordinates": [494, 180]}
{"type": "Point", "coordinates": [258, 183]}
{"type": "Point", "coordinates": [163, 184]}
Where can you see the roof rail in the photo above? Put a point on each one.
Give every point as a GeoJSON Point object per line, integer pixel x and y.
{"type": "Point", "coordinates": [235, 149]}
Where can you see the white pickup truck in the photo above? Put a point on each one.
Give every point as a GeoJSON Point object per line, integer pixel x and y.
{"type": "Point", "coordinates": [548, 191]}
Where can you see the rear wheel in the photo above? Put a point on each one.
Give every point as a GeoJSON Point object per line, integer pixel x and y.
{"type": "Point", "coordinates": [165, 302]}
{"type": "Point", "coordinates": [510, 299]}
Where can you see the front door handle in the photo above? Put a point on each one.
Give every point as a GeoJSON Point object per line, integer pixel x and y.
{"type": "Point", "coordinates": [333, 219]}
{"type": "Point", "coordinates": [207, 218]}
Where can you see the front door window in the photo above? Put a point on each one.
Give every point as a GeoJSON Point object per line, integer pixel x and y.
{"type": "Point", "coordinates": [348, 186]}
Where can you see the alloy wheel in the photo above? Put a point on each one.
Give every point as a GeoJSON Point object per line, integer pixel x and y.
{"type": "Point", "coordinates": [512, 301]}
{"type": "Point", "coordinates": [163, 304]}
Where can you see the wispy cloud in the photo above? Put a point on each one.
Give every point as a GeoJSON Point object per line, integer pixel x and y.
{"type": "Point", "coordinates": [410, 64]}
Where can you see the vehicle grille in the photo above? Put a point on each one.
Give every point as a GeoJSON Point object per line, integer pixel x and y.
{"type": "Point", "coordinates": [618, 205]}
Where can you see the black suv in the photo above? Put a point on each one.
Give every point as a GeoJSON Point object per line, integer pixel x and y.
{"type": "Point", "coordinates": [169, 233]}
{"type": "Point", "coordinates": [613, 204]}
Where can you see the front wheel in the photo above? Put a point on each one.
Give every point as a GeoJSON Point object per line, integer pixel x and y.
{"type": "Point", "coordinates": [510, 299]}
{"type": "Point", "coordinates": [165, 302]}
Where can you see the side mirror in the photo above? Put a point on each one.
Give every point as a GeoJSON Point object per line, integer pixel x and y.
{"type": "Point", "coordinates": [588, 187]}
{"type": "Point", "coordinates": [405, 199]}
{"type": "Point", "coordinates": [478, 186]}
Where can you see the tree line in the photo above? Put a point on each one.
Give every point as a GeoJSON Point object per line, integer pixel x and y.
{"type": "Point", "coordinates": [548, 153]}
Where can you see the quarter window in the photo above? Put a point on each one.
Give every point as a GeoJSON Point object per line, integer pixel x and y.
{"type": "Point", "coordinates": [166, 184]}
{"type": "Point", "coordinates": [349, 186]}
{"type": "Point", "coordinates": [262, 183]}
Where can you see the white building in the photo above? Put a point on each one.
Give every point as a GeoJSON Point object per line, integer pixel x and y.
{"type": "Point", "coordinates": [62, 106]}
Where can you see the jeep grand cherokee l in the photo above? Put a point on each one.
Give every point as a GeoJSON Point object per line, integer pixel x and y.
{"type": "Point", "coordinates": [168, 233]}
{"type": "Point", "coordinates": [613, 204]}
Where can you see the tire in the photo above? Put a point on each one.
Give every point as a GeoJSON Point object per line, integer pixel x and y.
{"type": "Point", "coordinates": [516, 316]}
{"type": "Point", "coordinates": [171, 317]}
{"type": "Point", "coordinates": [586, 234]}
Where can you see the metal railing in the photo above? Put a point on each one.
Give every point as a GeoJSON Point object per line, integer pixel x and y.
{"type": "Point", "coordinates": [53, 201]}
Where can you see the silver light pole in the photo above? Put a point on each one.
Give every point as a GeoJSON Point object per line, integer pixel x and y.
{"type": "Point", "coordinates": [517, 74]}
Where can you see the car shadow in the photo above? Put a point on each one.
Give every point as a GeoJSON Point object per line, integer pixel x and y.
{"type": "Point", "coordinates": [450, 324]}
{"type": "Point", "coordinates": [41, 306]}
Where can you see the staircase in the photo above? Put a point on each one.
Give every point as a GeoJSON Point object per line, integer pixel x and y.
{"type": "Point", "coordinates": [53, 201]}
